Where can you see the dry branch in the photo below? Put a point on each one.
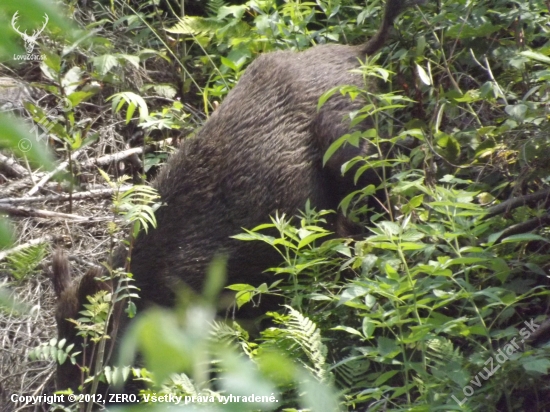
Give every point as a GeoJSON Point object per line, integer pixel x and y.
{"type": "Point", "coordinates": [48, 176]}
{"type": "Point", "coordinates": [11, 167]}
{"type": "Point", "coordinates": [541, 335]}
{"type": "Point", "coordinates": [517, 202]}
{"type": "Point", "coordinates": [108, 159]}
{"type": "Point", "coordinates": [525, 227]}
{"type": "Point", "coordinates": [30, 212]}
{"type": "Point", "coordinates": [93, 193]}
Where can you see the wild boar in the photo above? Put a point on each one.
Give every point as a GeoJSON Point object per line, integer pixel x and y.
{"type": "Point", "coordinates": [260, 153]}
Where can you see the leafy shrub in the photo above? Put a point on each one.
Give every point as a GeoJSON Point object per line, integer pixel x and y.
{"type": "Point", "coordinates": [437, 306]}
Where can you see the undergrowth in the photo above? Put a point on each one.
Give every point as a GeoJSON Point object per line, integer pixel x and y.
{"type": "Point", "coordinates": [441, 304]}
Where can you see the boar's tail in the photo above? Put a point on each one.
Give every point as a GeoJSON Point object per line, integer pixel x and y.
{"type": "Point", "coordinates": [393, 9]}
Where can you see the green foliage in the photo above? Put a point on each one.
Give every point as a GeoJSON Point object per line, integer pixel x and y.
{"type": "Point", "coordinates": [214, 6]}
{"type": "Point", "coordinates": [17, 137]}
{"type": "Point", "coordinates": [9, 304]}
{"type": "Point", "coordinates": [298, 249]}
{"type": "Point", "coordinates": [5, 234]}
{"type": "Point", "coordinates": [23, 263]}
{"type": "Point", "coordinates": [427, 293]}
{"type": "Point", "coordinates": [117, 376]}
{"type": "Point", "coordinates": [238, 33]}
{"type": "Point", "coordinates": [178, 341]}
{"type": "Point", "coordinates": [297, 336]}
{"type": "Point", "coordinates": [405, 317]}
{"type": "Point", "coordinates": [91, 323]}
{"type": "Point", "coordinates": [133, 101]}
{"type": "Point", "coordinates": [136, 205]}
{"type": "Point", "coordinates": [168, 118]}
{"type": "Point", "coordinates": [14, 136]}
{"type": "Point", "coordinates": [33, 12]}
{"type": "Point", "coordinates": [55, 350]}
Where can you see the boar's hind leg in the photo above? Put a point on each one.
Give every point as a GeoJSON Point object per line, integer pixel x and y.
{"type": "Point", "coordinates": [330, 124]}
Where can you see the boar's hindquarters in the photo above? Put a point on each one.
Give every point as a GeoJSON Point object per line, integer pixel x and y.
{"type": "Point", "coordinates": [259, 153]}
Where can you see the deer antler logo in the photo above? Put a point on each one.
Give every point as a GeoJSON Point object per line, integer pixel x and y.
{"type": "Point", "coordinates": [30, 41]}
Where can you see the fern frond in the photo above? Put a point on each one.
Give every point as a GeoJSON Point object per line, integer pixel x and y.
{"type": "Point", "coordinates": [308, 336]}
{"type": "Point", "coordinates": [441, 351]}
{"type": "Point", "coordinates": [299, 336]}
{"type": "Point", "coordinates": [137, 204]}
{"type": "Point", "coordinates": [233, 334]}
{"type": "Point", "coordinates": [180, 383]}
{"type": "Point", "coordinates": [23, 263]}
{"type": "Point", "coordinates": [213, 6]}
{"type": "Point", "coordinates": [352, 371]}
{"type": "Point", "coordinates": [197, 26]}
{"type": "Point", "coordinates": [206, 28]}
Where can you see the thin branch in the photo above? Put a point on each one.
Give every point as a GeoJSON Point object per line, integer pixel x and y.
{"type": "Point", "coordinates": [30, 212]}
{"type": "Point", "coordinates": [62, 166]}
{"type": "Point", "coordinates": [11, 167]}
{"type": "Point", "coordinates": [108, 159]}
{"type": "Point", "coordinates": [541, 335]}
{"type": "Point", "coordinates": [525, 227]}
{"type": "Point", "coordinates": [516, 202]}
{"type": "Point", "coordinates": [94, 193]}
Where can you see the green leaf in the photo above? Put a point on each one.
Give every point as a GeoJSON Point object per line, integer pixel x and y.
{"type": "Point", "coordinates": [384, 377]}
{"type": "Point", "coordinates": [391, 272]}
{"type": "Point", "coordinates": [133, 101]}
{"type": "Point", "coordinates": [6, 234]}
{"type": "Point", "coordinates": [239, 57]}
{"type": "Point", "coordinates": [8, 303]}
{"type": "Point", "coordinates": [517, 112]}
{"type": "Point", "coordinates": [317, 396]}
{"type": "Point", "coordinates": [215, 278]}
{"type": "Point", "coordinates": [105, 63]}
{"type": "Point", "coordinates": [226, 62]}
{"type": "Point", "coordinates": [413, 204]}
{"type": "Point", "coordinates": [349, 330]}
{"type": "Point", "coordinates": [236, 11]}
{"type": "Point", "coordinates": [423, 75]}
{"type": "Point", "coordinates": [131, 309]}
{"type": "Point", "coordinates": [537, 365]}
{"type": "Point", "coordinates": [411, 246]}
{"type": "Point", "coordinates": [133, 60]}
{"type": "Point", "coordinates": [448, 147]}
{"type": "Point", "coordinates": [368, 327]}
{"type": "Point", "coordinates": [482, 29]}
{"type": "Point", "coordinates": [325, 96]}
{"type": "Point", "coordinates": [78, 97]}
{"type": "Point", "coordinates": [311, 238]}
{"type": "Point", "coordinates": [524, 237]}
{"type": "Point", "coordinates": [240, 287]}
{"type": "Point", "coordinates": [15, 135]}
{"type": "Point", "coordinates": [387, 346]}
{"type": "Point", "coordinates": [535, 56]}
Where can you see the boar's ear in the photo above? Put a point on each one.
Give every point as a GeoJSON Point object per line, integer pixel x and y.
{"type": "Point", "coordinates": [61, 276]}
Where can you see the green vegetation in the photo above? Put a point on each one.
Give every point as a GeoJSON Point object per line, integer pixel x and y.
{"type": "Point", "coordinates": [436, 306]}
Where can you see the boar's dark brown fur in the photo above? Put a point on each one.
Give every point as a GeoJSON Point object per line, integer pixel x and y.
{"type": "Point", "coordinates": [260, 153]}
